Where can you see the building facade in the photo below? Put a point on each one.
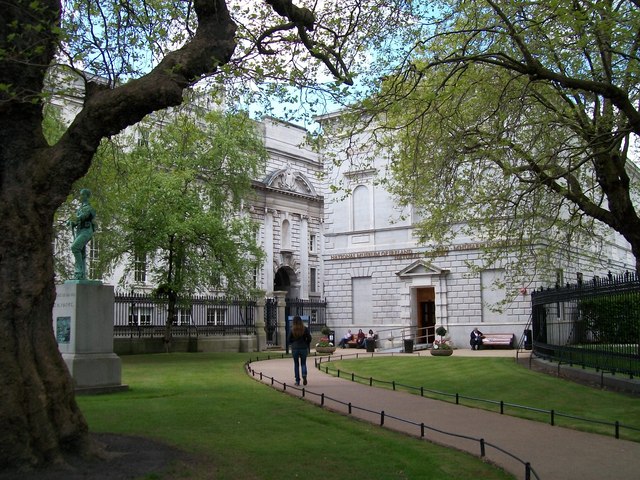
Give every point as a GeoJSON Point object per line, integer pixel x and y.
{"type": "Point", "coordinates": [377, 275]}
{"type": "Point", "coordinates": [288, 205]}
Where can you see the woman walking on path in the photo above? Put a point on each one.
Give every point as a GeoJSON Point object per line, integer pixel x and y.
{"type": "Point", "coordinates": [300, 341]}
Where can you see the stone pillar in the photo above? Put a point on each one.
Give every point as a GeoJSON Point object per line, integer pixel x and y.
{"type": "Point", "coordinates": [282, 321]}
{"type": "Point", "coordinates": [304, 258]}
{"type": "Point", "coordinates": [268, 250]}
{"type": "Point", "coordinates": [83, 326]}
{"type": "Point", "coordinates": [261, 332]}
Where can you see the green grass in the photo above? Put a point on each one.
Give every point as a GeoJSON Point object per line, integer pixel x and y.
{"type": "Point", "coordinates": [240, 429]}
{"type": "Point", "coordinates": [502, 379]}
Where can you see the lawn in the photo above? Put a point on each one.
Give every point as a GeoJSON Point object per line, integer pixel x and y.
{"type": "Point", "coordinates": [502, 379]}
{"type": "Point", "coordinates": [241, 429]}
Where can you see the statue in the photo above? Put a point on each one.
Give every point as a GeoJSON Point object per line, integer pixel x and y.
{"type": "Point", "coordinates": [288, 179]}
{"type": "Point", "coordinates": [82, 227]}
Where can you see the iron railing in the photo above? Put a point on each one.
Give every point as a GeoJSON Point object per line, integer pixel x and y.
{"type": "Point", "coordinates": [593, 324]}
{"type": "Point", "coordinates": [421, 428]}
{"type": "Point", "coordinates": [142, 315]}
{"type": "Point", "coordinates": [614, 427]}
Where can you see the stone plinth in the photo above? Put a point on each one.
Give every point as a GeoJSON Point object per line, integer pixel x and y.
{"type": "Point", "coordinates": [83, 326]}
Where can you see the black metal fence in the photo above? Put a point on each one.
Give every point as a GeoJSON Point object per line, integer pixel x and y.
{"type": "Point", "coordinates": [314, 309]}
{"type": "Point", "coordinates": [594, 323]}
{"type": "Point", "coordinates": [271, 321]}
{"type": "Point", "coordinates": [421, 428]}
{"type": "Point", "coordinates": [141, 315]}
{"type": "Point", "coordinates": [554, 417]}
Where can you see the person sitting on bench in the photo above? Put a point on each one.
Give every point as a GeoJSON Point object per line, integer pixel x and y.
{"type": "Point", "coordinates": [346, 338]}
{"type": "Point", "coordinates": [476, 339]}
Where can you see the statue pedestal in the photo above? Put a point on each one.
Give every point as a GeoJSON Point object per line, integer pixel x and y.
{"type": "Point", "coordinates": [83, 326]}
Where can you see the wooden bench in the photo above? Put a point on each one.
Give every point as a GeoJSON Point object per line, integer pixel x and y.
{"type": "Point", "coordinates": [498, 340]}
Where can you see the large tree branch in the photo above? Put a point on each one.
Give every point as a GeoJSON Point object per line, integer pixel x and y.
{"type": "Point", "coordinates": [303, 20]}
{"type": "Point", "coordinates": [108, 112]}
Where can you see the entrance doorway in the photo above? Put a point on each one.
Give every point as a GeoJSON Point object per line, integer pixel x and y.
{"type": "Point", "coordinates": [285, 281]}
{"type": "Point", "coordinates": [426, 308]}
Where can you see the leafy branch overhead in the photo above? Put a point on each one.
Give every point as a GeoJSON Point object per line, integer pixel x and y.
{"type": "Point", "coordinates": [516, 119]}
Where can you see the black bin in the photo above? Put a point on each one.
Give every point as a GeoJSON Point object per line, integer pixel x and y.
{"type": "Point", "coordinates": [371, 345]}
{"type": "Point", "coordinates": [332, 337]}
{"type": "Point", "coordinates": [528, 344]}
{"type": "Point", "coordinates": [408, 345]}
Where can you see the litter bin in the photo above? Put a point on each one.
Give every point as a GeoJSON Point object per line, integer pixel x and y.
{"type": "Point", "coordinates": [527, 340]}
{"type": "Point", "coordinates": [332, 337]}
{"type": "Point", "coordinates": [408, 345]}
{"type": "Point", "coordinates": [371, 345]}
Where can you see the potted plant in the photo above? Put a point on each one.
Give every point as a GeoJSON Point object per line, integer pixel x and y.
{"type": "Point", "coordinates": [325, 346]}
{"type": "Point", "coordinates": [442, 347]}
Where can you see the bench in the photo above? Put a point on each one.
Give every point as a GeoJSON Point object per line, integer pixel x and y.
{"type": "Point", "coordinates": [498, 340]}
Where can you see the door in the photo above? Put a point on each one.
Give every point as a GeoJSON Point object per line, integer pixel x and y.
{"type": "Point", "coordinates": [426, 298]}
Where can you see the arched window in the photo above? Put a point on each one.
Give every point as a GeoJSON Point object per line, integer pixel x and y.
{"type": "Point", "coordinates": [361, 208]}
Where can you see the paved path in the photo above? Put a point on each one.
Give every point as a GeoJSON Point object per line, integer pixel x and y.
{"type": "Point", "coordinates": [554, 453]}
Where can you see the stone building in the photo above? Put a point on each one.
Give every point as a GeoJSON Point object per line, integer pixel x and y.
{"type": "Point", "coordinates": [377, 277]}
{"type": "Point", "coordinates": [288, 205]}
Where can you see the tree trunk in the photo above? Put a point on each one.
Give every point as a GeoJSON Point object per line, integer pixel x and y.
{"type": "Point", "coordinates": [38, 413]}
{"type": "Point", "coordinates": [39, 417]}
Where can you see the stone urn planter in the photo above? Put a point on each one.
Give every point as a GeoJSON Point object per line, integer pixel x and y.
{"type": "Point", "coordinates": [441, 352]}
{"type": "Point", "coordinates": [328, 350]}
{"type": "Point", "coordinates": [438, 345]}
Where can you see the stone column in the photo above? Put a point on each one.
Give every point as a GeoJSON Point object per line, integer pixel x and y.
{"type": "Point", "coordinates": [282, 321]}
{"type": "Point", "coordinates": [83, 326]}
{"type": "Point", "coordinates": [261, 332]}
{"type": "Point", "coordinates": [304, 258]}
{"type": "Point", "coordinates": [268, 249]}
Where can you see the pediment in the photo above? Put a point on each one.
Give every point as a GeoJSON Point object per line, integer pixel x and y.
{"type": "Point", "coordinates": [290, 180]}
{"type": "Point", "coordinates": [421, 268]}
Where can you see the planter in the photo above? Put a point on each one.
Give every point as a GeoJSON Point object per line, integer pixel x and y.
{"type": "Point", "coordinates": [325, 349]}
{"type": "Point", "coordinates": [441, 352]}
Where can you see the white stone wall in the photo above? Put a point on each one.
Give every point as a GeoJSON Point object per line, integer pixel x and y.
{"type": "Point", "coordinates": [290, 191]}
{"type": "Point", "coordinates": [386, 251]}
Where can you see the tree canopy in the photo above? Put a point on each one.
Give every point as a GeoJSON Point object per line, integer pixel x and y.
{"type": "Point", "coordinates": [176, 200]}
{"type": "Point", "coordinates": [516, 119]}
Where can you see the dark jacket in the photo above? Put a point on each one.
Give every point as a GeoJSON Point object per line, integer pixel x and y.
{"type": "Point", "coordinates": [300, 343]}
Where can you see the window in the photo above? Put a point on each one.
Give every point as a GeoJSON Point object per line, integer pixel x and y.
{"type": "Point", "coordinates": [94, 250]}
{"type": "Point", "coordinates": [493, 295]}
{"type": "Point", "coordinates": [559, 282]}
{"type": "Point", "coordinates": [143, 138]}
{"type": "Point", "coordinates": [256, 277]}
{"type": "Point", "coordinates": [313, 280]}
{"type": "Point", "coordinates": [216, 316]}
{"type": "Point", "coordinates": [140, 268]}
{"type": "Point", "coordinates": [312, 243]}
{"type": "Point", "coordinates": [140, 315]}
{"type": "Point", "coordinates": [183, 316]}
{"type": "Point", "coordinates": [362, 305]}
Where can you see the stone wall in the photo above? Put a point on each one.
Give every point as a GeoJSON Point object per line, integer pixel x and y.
{"type": "Point", "coordinates": [227, 343]}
